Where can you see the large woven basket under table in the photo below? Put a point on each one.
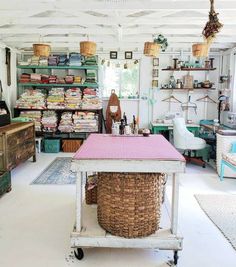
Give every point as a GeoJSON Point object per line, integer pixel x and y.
{"type": "Point", "coordinates": [129, 204]}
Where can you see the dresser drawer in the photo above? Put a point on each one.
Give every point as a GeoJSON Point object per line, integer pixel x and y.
{"type": "Point", "coordinates": [19, 137]}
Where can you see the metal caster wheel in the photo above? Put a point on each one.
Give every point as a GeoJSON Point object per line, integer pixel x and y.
{"type": "Point", "coordinates": [176, 257]}
{"type": "Point", "coordinates": [79, 254]}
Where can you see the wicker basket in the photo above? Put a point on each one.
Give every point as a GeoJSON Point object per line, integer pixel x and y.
{"type": "Point", "coordinates": [42, 50]}
{"type": "Point", "coordinates": [129, 203]}
{"type": "Point", "coordinates": [88, 48]}
{"type": "Point", "coordinates": [71, 145]}
{"type": "Point", "coordinates": [151, 49]}
{"type": "Point", "coordinates": [200, 50]}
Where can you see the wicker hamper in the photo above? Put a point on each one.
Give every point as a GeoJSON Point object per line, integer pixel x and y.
{"type": "Point", "coordinates": [129, 204]}
{"type": "Point", "coordinates": [200, 50]}
{"type": "Point", "coordinates": [151, 49]}
{"type": "Point", "coordinates": [71, 145]}
{"type": "Point", "coordinates": [88, 48]}
{"type": "Point", "coordinates": [42, 50]}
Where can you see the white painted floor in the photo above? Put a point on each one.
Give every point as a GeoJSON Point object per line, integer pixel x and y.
{"type": "Point", "coordinates": [36, 221]}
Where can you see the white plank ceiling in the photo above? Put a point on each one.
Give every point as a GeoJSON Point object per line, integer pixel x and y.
{"type": "Point", "coordinates": [112, 24]}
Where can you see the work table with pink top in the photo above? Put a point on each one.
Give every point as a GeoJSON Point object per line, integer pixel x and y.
{"type": "Point", "coordinates": [107, 153]}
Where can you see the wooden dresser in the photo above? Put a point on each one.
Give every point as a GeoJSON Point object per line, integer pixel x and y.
{"type": "Point", "coordinates": [17, 144]}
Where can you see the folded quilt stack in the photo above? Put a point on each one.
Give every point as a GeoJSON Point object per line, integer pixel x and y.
{"type": "Point", "coordinates": [35, 116]}
{"type": "Point", "coordinates": [75, 59]}
{"type": "Point", "coordinates": [85, 122]}
{"type": "Point", "coordinates": [91, 99]}
{"type": "Point", "coordinates": [56, 99]}
{"type": "Point", "coordinates": [49, 121]}
{"type": "Point", "coordinates": [73, 98]}
{"type": "Point", "coordinates": [31, 99]}
{"type": "Point", "coordinates": [66, 124]}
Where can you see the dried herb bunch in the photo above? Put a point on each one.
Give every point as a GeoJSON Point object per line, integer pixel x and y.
{"type": "Point", "coordinates": [213, 26]}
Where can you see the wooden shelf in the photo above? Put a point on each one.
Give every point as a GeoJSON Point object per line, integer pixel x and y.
{"type": "Point", "coordinates": [190, 69]}
{"type": "Point", "coordinates": [47, 85]}
{"type": "Point", "coordinates": [83, 67]}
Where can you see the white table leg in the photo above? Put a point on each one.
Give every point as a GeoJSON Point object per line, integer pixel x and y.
{"type": "Point", "coordinates": [175, 203]}
{"type": "Point", "coordinates": [79, 190]}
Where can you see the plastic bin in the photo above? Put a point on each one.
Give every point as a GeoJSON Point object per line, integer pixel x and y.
{"type": "Point", "coordinates": [52, 145]}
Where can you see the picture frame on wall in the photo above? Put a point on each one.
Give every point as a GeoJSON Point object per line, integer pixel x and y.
{"type": "Point", "coordinates": [155, 62]}
{"type": "Point", "coordinates": [154, 83]}
{"type": "Point", "coordinates": [128, 54]}
{"type": "Point", "coordinates": [155, 73]}
{"type": "Point", "coordinates": [113, 54]}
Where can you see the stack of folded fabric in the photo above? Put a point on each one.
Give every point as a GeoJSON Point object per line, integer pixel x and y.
{"type": "Point", "coordinates": [34, 61]}
{"type": "Point", "coordinates": [43, 61]}
{"type": "Point", "coordinates": [73, 98]}
{"type": "Point", "coordinates": [56, 99]}
{"type": "Point", "coordinates": [49, 121]}
{"type": "Point", "coordinates": [75, 59]}
{"type": "Point", "coordinates": [90, 99]}
{"type": "Point", "coordinates": [52, 79]}
{"type": "Point", "coordinates": [66, 124]}
{"type": "Point", "coordinates": [90, 60]}
{"type": "Point", "coordinates": [31, 99]}
{"type": "Point", "coordinates": [69, 78]}
{"type": "Point", "coordinates": [44, 78]}
{"type": "Point", "coordinates": [78, 79]}
{"type": "Point", "coordinates": [25, 78]}
{"type": "Point", "coordinates": [24, 63]}
{"type": "Point", "coordinates": [35, 78]}
{"type": "Point", "coordinates": [53, 60]}
{"type": "Point", "coordinates": [35, 116]}
{"type": "Point", "coordinates": [85, 122]}
{"type": "Point", "coordinates": [62, 60]}
{"type": "Point", "coordinates": [91, 77]}
{"type": "Point", "coordinates": [60, 80]}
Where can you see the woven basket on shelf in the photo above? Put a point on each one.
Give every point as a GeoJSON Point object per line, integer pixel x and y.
{"type": "Point", "coordinates": [200, 50]}
{"type": "Point", "coordinates": [42, 50]}
{"type": "Point", "coordinates": [71, 145]}
{"type": "Point", "coordinates": [129, 204]}
{"type": "Point", "coordinates": [151, 49]}
{"type": "Point", "coordinates": [88, 48]}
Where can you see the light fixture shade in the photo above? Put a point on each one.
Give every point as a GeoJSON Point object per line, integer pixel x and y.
{"type": "Point", "coordinates": [200, 50]}
{"type": "Point", "coordinates": [151, 49]}
{"type": "Point", "coordinates": [88, 48]}
{"type": "Point", "coordinates": [42, 50]}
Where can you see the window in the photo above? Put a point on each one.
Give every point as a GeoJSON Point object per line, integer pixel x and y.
{"type": "Point", "coordinates": [122, 77]}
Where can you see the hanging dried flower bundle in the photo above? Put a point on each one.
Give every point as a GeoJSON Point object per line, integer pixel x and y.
{"type": "Point", "coordinates": [213, 26]}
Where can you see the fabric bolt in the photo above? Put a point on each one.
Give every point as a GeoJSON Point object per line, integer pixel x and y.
{"type": "Point", "coordinates": [35, 116]}
{"type": "Point", "coordinates": [66, 124]}
{"type": "Point", "coordinates": [73, 98]}
{"type": "Point", "coordinates": [56, 98]}
{"type": "Point", "coordinates": [31, 99]}
{"type": "Point", "coordinates": [85, 122]}
{"type": "Point", "coordinates": [49, 121]}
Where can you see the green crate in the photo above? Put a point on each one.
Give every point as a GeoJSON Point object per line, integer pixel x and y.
{"type": "Point", "coordinates": [52, 145]}
{"type": "Point", "coordinates": [5, 182]}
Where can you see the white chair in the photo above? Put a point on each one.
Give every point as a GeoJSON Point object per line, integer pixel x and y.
{"type": "Point", "coordinates": [186, 141]}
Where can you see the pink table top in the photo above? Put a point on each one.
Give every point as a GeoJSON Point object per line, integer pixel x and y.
{"type": "Point", "coordinates": [104, 146]}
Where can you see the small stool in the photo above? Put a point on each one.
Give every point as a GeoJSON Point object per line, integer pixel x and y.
{"type": "Point", "coordinates": [38, 141]}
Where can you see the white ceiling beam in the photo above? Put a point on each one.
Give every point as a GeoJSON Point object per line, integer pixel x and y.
{"type": "Point", "coordinates": [133, 31]}
{"type": "Point", "coordinates": [121, 5]}
{"type": "Point", "coordinates": [98, 38]}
